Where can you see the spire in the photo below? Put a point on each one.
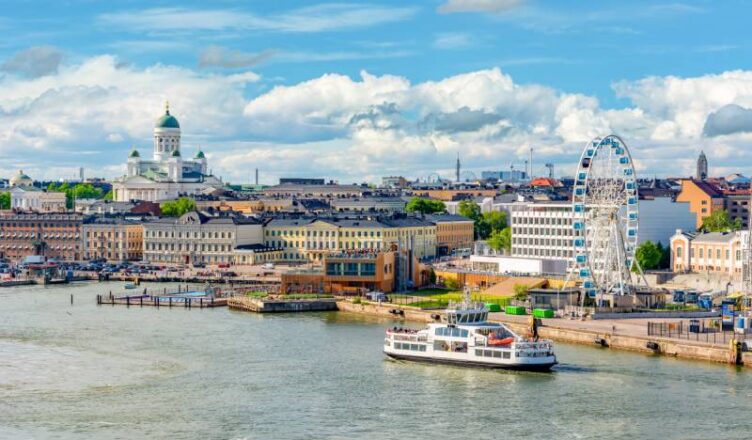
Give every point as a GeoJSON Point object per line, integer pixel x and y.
{"type": "Point", "coordinates": [167, 107]}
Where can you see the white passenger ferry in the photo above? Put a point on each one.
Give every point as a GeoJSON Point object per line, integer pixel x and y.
{"type": "Point", "coordinates": [466, 338]}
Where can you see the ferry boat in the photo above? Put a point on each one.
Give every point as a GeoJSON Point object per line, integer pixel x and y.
{"type": "Point", "coordinates": [467, 338]}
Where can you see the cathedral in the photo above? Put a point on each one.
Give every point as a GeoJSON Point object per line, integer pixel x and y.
{"type": "Point", "coordinates": [167, 175]}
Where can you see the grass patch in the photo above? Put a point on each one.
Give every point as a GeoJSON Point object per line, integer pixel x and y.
{"type": "Point", "coordinates": [306, 296]}
{"type": "Point", "coordinates": [256, 294]}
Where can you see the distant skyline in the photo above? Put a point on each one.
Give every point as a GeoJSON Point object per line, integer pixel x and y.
{"type": "Point", "coordinates": [356, 91]}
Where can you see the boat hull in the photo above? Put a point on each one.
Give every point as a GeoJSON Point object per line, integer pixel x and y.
{"type": "Point", "coordinates": [542, 367]}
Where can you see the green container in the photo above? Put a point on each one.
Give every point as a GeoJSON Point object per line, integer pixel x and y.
{"type": "Point", "coordinates": [493, 307]}
{"type": "Point", "coordinates": [515, 310]}
{"type": "Point", "coordinates": [543, 313]}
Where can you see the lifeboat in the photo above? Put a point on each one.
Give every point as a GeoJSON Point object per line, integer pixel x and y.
{"type": "Point", "coordinates": [506, 341]}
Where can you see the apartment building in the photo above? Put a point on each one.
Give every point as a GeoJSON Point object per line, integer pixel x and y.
{"type": "Point", "coordinates": [199, 238]}
{"type": "Point", "coordinates": [304, 239]}
{"type": "Point", "coordinates": [53, 235]}
{"type": "Point", "coordinates": [112, 239]}
{"type": "Point", "coordinates": [452, 232]}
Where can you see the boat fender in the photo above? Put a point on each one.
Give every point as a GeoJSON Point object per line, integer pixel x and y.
{"type": "Point", "coordinates": [436, 317]}
{"type": "Point", "coordinates": [653, 346]}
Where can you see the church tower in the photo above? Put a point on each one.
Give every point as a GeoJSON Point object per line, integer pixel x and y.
{"type": "Point", "coordinates": [166, 136]}
{"type": "Point", "coordinates": [702, 166]}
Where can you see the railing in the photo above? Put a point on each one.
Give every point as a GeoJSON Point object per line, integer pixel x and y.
{"type": "Point", "coordinates": [710, 331]}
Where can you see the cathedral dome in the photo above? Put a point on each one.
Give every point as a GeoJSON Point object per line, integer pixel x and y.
{"type": "Point", "coordinates": [200, 155]}
{"type": "Point", "coordinates": [21, 179]}
{"type": "Point", "coordinates": [167, 120]}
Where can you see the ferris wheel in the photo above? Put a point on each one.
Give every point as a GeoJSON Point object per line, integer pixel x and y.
{"type": "Point", "coordinates": [605, 218]}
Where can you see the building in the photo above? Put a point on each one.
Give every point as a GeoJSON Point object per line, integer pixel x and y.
{"type": "Point", "coordinates": [29, 198]}
{"type": "Point", "coordinates": [326, 191]}
{"type": "Point", "coordinates": [453, 194]}
{"type": "Point", "coordinates": [112, 239]}
{"type": "Point", "coordinates": [393, 182]}
{"type": "Point", "coordinates": [542, 230]}
{"type": "Point", "coordinates": [346, 272]}
{"type": "Point", "coordinates": [300, 181]}
{"type": "Point", "coordinates": [452, 232]}
{"type": "Point", "coordinates": [52, 235]}
{"type": "Point", "coordinates": [309, 239]}
{"type": "Point", "coordinates": [251, 254]}
{"type": "Point", "coordinates": [702, 167]}
{"type": "Point", "coordinates": [199, 238]}
{"type": "Point", "coordinates": [703, 198]}
{"type": "Point", "coordinates": [20, 179]}
{"type": "Point", "coordinates": [711, 252]}
{"type": "Point", "coordinates": [661, 216]}
{"type": "Point", "coordinates": [167, 175]}
{"type": "Point", "coordinates": [369, 204]}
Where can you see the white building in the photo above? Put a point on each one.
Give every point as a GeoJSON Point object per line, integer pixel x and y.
{"type": "Point", "coordinates": [167, 175]}
{"type": "Point", "coordinates": [196, 237]}
{"type": "Point", "coordinates": [29, 198]}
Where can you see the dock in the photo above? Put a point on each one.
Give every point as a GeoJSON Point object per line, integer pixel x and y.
{"type": "Point", "coordinates": [161, 301]}
{"type": "Point", "coordinates": [266, 305]}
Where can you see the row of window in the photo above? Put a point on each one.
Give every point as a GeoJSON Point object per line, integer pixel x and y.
{"type": "Point", "coordinates": [451, 331]}
{"type": "Point", "coordinates": [324, 244]}
{"type": "Point", "coordinates": [188, 234]}
{"type": "Point", "coordinates": [188, 247]}
{"type": "Point", "coordinates": [701, 253]}
{"type": "Point", "coordinates": [411, 347]}
{"type": "Point", "coordinates": [502, 354]}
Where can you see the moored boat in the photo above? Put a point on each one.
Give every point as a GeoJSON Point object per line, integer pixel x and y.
{"type": "Point", "coordinates": [465, 337]}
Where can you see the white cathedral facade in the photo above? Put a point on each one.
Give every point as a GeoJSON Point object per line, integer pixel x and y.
{"type": "Point", "coordinates": [167, 175]}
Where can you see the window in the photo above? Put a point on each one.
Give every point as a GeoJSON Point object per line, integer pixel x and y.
{"type": "Point", "coordinates": [678, 251]}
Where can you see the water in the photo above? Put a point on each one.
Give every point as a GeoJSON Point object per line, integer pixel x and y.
{"type": "Point", "coordinates": [88, 372]}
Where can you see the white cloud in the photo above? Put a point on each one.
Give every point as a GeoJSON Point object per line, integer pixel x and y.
{"type": "Point", "coordinates": [453, 40]}
{"type": "Point", "coordinates": [493, 6]}
{"type": "Point", "coordinates": [317, 18]}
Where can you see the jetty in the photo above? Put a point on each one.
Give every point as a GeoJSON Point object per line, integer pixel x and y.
{"type": "Point", "coordinates": [161, 301]}
{"type": "Point", "coordinates": [282, 305]}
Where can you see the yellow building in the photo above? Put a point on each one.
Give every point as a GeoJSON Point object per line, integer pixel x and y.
{"type": "Point", "coordinates": [452, 232]}
{"type": "Point", "coordinates": [311, 238]}
{"type": "Point", "coordinates": [113, 239]}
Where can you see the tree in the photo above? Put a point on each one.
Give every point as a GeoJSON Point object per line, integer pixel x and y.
{"type": "Point", "coordinates": [425, 206]}
{"type": "Point", "coordinates": [520, 292]}
{"type": "Point", "coordinates": [109, 196]}
{"type": "Point", "coordinates": [719, 221]}
{"type": "Point", "coordinates": [665, 256]}
{"type": "Point", "coordinates": [469, 209]}
{"type": "Point", "coordinates": [5, 200]}
{"type": "Point", "coordinates": [178, 207]}
{"type": "Point", "coordinates": [452, 284]}
{"type": "Point", "coordinates": [496, 220]}
{"type": "Point", "coordinates": [649, 256]}
{"type": "Point", "coordinates": [501, 239]}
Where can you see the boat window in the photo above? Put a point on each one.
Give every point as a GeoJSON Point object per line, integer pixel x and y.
{"type": "Point", "coordinates": [487, 353]}
{"type": "Point", "coordinates": [440, 346]}
{"type": "Point", "coordinates": [478, 352]}
{"type": "Point", "coordinates": [506, 354]}
{"type": "Point", "coordinates": [496, 354]}
{"type": "Point", "coordinates": [414, 347]}
{"type": "Point", "coordinates": [422, 347]}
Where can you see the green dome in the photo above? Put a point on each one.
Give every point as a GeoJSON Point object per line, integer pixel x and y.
{"type": "Point", "coordinates": [167, 121]}
{"type": "Point", "coordinates": [200, 155]}
{"type": "Point", "coordinates": [175, 153]}
{"type": "Point", "coordinates": [134, 153]}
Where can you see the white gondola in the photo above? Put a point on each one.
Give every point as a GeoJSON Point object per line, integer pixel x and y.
{"type": "Point", "coordinates": [467, 338]}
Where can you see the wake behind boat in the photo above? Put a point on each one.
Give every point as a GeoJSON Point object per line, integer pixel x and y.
{"type": "Point", "coordinates": [467, 338]}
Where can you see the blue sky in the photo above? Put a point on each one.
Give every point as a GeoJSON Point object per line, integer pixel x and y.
{"type": "Point", "coordinates": [353, 91]}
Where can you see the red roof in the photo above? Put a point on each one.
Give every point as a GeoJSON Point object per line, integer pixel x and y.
{"type": "Point", "coordinates": [545, 181]}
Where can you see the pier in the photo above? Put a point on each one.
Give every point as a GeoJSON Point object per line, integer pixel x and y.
{"type": "Point", "coordinates": [161, 301]}
{"type": "Point", "coordinates": [281, 305]}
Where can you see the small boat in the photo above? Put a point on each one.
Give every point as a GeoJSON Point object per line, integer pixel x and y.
{"type": "Point", "coordinates": [465, 337]}
{"type": "Point", "coordinates": [129, 286]}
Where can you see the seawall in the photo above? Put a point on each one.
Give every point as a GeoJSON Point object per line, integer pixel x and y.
{"type": "Point", "coordinates": [662, 346]}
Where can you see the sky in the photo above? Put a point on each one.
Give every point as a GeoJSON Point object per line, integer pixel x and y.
{"type": "Point", "coordinates": [356, 91]}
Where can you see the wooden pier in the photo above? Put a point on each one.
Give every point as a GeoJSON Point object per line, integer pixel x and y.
{"type": "Point", "coordinates": [265, 305]}
{"type": "Point", "coordinates": [162, 301]}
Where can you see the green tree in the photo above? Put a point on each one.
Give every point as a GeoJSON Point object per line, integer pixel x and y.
{"type": "Point", "coordinates": [521, 291]}
{"type": "Point", "coordinates": [87, 191]}
{"type": "Point", "coordinates": [496, 220]}
{"type": "Point", "coordinates": [649, 256]}
{"type": "Point", "coordinates": [425, 206]}
{"type": "Point", "coordinates": [501, 239]}
{"type": "Point", "coordinates": [178, 207]}
{"type": "Point", "coordinates": [452, 284]}
{"type": "Point", "coordinates": [5, 200]}
{"type": "Point", "coordinates": [469, 209]}
{"type": "Point", "coordinates": [109, 195]}
{"type": "Point", "coordinates": [665, 256]}
{"type": "Point", "coordinates": [719, 221]}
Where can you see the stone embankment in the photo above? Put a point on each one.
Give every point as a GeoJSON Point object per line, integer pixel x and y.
{"type": "Point", "coordinates": [561, 331]}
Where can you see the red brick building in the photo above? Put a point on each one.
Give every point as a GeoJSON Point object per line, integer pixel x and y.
{"type": "Point", "coordinates": [53, 235]}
